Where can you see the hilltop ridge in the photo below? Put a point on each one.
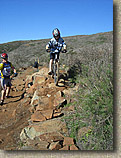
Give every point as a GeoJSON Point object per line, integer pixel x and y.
{"type": "Point", "coordinates": [24, 53]}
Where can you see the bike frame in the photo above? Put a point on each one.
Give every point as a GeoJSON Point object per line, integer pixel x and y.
{"type": "Point", "coordinates": [55, 69]}
{"type": "Point", "coordinates": [55, 64]}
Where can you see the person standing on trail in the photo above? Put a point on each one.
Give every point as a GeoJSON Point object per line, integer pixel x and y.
{"type": "Point", "coordinates": [56, 44]}
{"type": "Point", "coordinates": [5, 68]}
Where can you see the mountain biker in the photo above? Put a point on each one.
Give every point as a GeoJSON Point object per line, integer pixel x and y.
{"type": "Point", "coordinates": [5, 68]}
{"type": "Point", "coordinates": [55, 45]}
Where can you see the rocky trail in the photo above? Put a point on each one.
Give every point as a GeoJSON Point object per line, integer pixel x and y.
{"type": "Point", "coordinates": [31, 118]}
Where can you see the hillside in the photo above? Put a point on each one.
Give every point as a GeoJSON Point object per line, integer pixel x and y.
{"type": "Point", "coordinates": [75, 115]}
{"type": "Point", "coordinates": [24, 53]}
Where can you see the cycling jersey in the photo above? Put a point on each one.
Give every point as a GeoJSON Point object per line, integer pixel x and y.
{"type": "Point", "coordinates": [6, 69]}
{"type": "Point", "coordinates": [53, 44]}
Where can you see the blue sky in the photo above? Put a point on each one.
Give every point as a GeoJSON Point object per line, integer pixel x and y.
{"type": "Point", "coordinates": [35, 19]}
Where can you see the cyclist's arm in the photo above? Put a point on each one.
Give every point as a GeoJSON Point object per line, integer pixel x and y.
{"type": "Point", "coordinates": [13, 68]}
{"type": "Point", "coordinates": [64, 48]}
{"type": "Point", "coordinates": [64, 44]}
{"type": "Point", "coordinates": [49, 46]}
{"type": "Point", "coordinates": [1, 66]}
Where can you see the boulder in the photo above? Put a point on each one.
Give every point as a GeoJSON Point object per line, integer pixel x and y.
{"type": "Point", "coordinates": [43, 71]}
{"type": "Point", "coordinates": [65, 148]}
{"type": "Point", "coordinates": [59, 101]}
{"type": "Point", "coordinates": [57, 114]}
{"type": "Point", "coordinates": [20, 87]}
{"type": "Point", "coordinates": [73, 147]}
{"type": "Point", "coordinates": [83, 131]}
{"type": "Point", "coordinates": [51, 85]}
{"type": "Point", "coordinates": [52, 137]}
{"type": "Point", "coordinates": [55, 146]}
{"type": "Point", "coordinates": [50, 126]}
{"type": "Point", "coordinates": [28, 80]}
{"type": "Point", "coordinates": [28, 133]}
{"type": "Point", "coordinates": [47, 113]}
{"type": "Point", "coordinates": [68, 141]}
{"type": "Point", "coordinates": [40, 107]}
{"type": "Point", "coordinates": [37, 144]}
{"type": "Point", "coordinates": [32, 89]}
{"type": "Point", "coordinates": [35, 99]}
{"type": "Point", "coordinates": [39, 79]}
{"type": "Point", "coordinates": [37, 117]}
{"type": "Point", "coordinates": [43, 103]}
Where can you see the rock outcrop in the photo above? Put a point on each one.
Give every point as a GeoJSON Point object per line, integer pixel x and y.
{"type": "Point", "coordinates": [46, 131]}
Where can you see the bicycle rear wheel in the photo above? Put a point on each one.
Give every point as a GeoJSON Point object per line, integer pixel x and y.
{"type": "Point", "coordinates": [56, 73]}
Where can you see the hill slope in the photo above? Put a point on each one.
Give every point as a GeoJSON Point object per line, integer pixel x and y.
{"type": "Point", "coordinates": [24, 53]}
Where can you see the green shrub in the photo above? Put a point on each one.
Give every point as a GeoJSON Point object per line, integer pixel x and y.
{"type": "Point", "coordinates": [93, 106]}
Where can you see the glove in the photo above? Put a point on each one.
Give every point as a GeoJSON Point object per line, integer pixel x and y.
{"type": "Point", "coordinates": [64, 51]}
{"type": "Point", "coordinates": [48, 50]}
{"type": "Point", "coordinates": [15, 74]}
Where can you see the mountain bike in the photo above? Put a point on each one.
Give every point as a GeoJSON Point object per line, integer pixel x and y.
{"type": "Point", "coordinates": [55, 69]}
{"type": "Point", "coordinates": [55, 64]}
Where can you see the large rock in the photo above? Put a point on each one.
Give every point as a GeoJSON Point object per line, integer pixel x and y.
{"type": "Point", "coordinates": [73, 147]}
{"type": "Point", "coordinates": [37, 117]}
{"type": "Point", "coordinates": [39, 79]}
{"type": "Point", "coordinates": [28, 133]}
{"type": "Point", "coordinates": [68, 141]}
{"type": "Point", "coordinates": [38, 144]}
{"type": "Point", "coordinates": [35, 99]}
{"type": "Point", "coordinates": [20, 87]}
{"type": "Point", "coordinates": [48, 126]}
{"type": "Point", "coordinates": [42, 72]}
{"type": "Point", "coordinates": [60, 101]}
{"type": "Point", "coordinates": [43, 103]}
{"type": "Point", "coordinates": [52, 137]}
{"type": "Point", "coordinates": [47, 113]}
{"type": "Point", "coordinates": [65, 148]}
{"type": "Point", "coordinates": [55, 146]}
{"type": "Point", "coordinates": [40, 107]}
{"type": "Point", "coordinates": [83, 131]}
{"type": "Point", "coordinates": [32, 89]}
{"type": "Point", "coordinates": [18, 82]}
{"type": "Point", "coordinates": [51, 126]}
{"type": "Point", "coordinates": [28, 80]}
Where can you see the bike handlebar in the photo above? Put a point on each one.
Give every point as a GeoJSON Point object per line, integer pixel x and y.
{"type": "Point", "coordinates": [56, 51]}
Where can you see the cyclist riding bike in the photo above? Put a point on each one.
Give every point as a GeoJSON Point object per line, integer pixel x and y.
{"type": "Point", "coordinates": [5, 68]}
{"type": "Point", "coordinates": [55, 45]}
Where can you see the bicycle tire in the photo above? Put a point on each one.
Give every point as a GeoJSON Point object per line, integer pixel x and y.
{"type": "Point", "coordinates": [56, 73]}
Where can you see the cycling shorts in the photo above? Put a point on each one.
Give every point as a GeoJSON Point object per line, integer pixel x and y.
{"type": "Point", "coordinates": [6, 81]}
{"type": "Point", "coordinates": [52, 55]}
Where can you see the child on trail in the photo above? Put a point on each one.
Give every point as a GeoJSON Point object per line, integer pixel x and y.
{"type": "Point", "coordinates": [5, 68]}
{"type": "Point", "coordinates": [55, 45]}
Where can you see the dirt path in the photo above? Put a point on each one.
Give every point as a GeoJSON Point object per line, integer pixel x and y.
{"type": "Point", "coordinates": [13, 115]}
{"type": "Point", "coordinates": [30, 119]}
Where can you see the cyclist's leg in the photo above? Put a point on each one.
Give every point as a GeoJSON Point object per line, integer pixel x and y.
{"type": "Point", "coordinates": [3, 92]}
{"type": "Point", "coordinates": [58, 55]}
{"type": "Point", "coordinates": [56, 73]}
{"type": "Point", "coordinates": [8, 87]}
{"type": "Point", "coordinates": [8, 91]}
{"type": "Point", "coordinates": [50, 63]}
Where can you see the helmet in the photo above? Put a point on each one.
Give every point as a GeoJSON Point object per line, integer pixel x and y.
{"type": "Point", "coordinates": [4, 56]}
{"type": "Point", "coordinates": [56, 33]}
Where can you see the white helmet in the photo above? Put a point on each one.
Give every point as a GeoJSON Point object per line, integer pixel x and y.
{"type": "Point", "coordinates": [56, 32]}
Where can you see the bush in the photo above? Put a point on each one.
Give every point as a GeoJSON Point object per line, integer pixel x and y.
{"type": "Point", "coordinates": [94, 102]}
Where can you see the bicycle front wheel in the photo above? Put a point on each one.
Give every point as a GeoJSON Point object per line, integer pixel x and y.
{"type": "Point", "coordinates": [56, 73]}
